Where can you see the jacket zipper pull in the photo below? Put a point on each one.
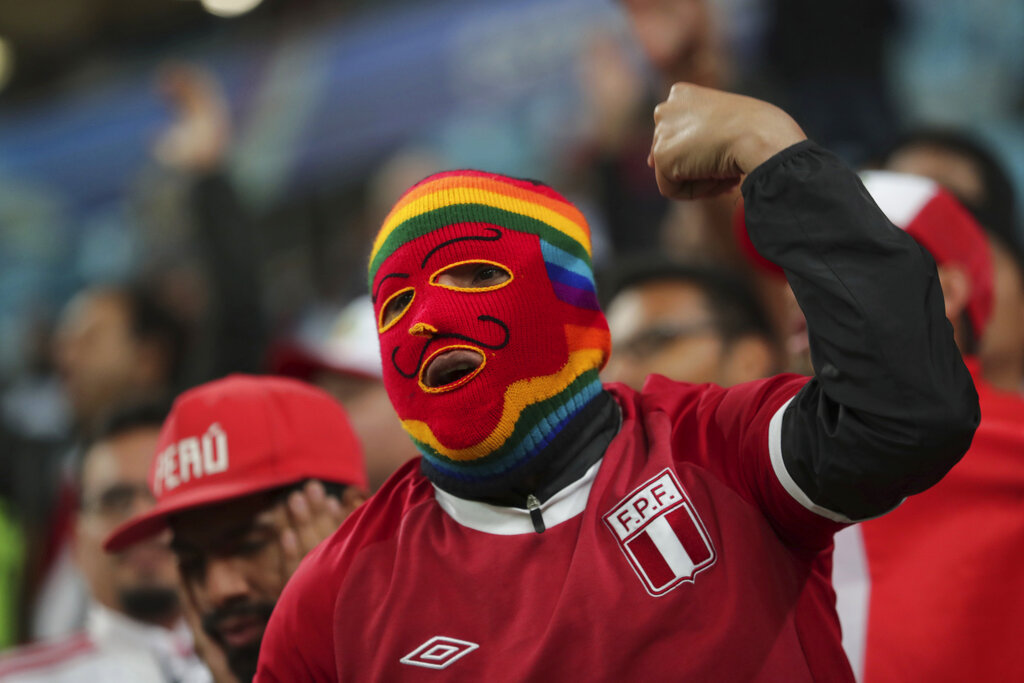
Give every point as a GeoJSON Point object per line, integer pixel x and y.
{"type": "Point", "coordinates": [533, 505]}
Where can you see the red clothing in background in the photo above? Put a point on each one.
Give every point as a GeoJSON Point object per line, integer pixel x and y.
{"type": "Point", "coordinates": [934, 591]}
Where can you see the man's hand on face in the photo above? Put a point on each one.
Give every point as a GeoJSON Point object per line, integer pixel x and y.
{"type": "Point", "coordinates": [705, 140]}
{"type": "Point", "coordinates": [236, 560]}
{"type": "Point", "coordinates": [211, 653]}
{"type": "Point", "coordinates": [310, 517]}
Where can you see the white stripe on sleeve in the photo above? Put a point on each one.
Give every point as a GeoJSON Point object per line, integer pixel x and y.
{"type": "Point", "coordinates": [779, 465]}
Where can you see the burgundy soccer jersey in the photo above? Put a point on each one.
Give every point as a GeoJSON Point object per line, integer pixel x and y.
{"type": "Point", "coordinates": [679, 556]}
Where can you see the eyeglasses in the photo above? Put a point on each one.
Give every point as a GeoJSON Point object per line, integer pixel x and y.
{"type": "Point", "coordinates": [118, 501]}
{"type": "Point", "coordinates": [654, 339]}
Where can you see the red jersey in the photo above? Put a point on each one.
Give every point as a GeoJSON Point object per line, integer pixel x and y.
{"type": "Point", "coordinates": [933, 590]}
{"type": "Point", "coordinates": [681, 555]}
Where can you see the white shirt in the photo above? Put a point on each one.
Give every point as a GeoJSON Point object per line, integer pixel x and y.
{"type": "Point", "coordinates": [112, 648]}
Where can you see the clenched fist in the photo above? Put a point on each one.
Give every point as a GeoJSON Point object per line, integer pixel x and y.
{"type": "Point", "coordinates": [706, 140]}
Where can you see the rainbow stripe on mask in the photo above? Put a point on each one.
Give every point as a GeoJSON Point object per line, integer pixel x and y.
{"type": "Point", "coordinates": [533, 412]}
{"type": "Point", "coordinates": [475, 196]}
{"type": "Point", "coordinates": [535, 409]}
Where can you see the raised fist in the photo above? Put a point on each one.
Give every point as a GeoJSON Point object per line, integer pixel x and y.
{"type": "Point", "coordinates": [706, 140]}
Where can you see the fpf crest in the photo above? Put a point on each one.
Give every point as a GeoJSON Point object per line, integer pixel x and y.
{"type": "Point", "coordinates": [660, 533]}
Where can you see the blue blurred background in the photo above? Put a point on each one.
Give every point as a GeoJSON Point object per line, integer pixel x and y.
{"type": "Point", "coordinates": [322, 93]}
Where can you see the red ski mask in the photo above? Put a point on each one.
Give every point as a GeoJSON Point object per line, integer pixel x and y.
{"type": "Point", "coordinates": [491, 336]}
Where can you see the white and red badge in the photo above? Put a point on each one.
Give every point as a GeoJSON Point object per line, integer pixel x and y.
{"type": "Point", "coordinates": [661, 535]}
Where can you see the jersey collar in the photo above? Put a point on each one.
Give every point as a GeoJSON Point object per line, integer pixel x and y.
{"type": "Point", "coordinates": [510, 521]}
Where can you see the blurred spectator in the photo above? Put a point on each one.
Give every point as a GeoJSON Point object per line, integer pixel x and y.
{"type": "Point", "coordinates": [959, 64]}
{"type": "Point", "coordinates": [829, 58]}
{"type": "Point", "coordinates": [119, 343]}
{"type": "Point", "coordinates": [680, 39]}
{"type": "Point", "coordinates": [684, 42]}
{"type": "Point", "coordinates": [134, 629]}
{"type": "Point", "coordinates": [974, 176]}
{"type": "Point", "coordinates": [388, 182]}
{"type": "Point", "coordinates": [688, 323]}
{"type": "Point", "coordinates": [931, 591]}
{"type": "Point", "coordinates": [616, 136]}
{"type": "Point", "coordinates": [344, 360]}
{"type": "Point", "coordinates": [232, 479]}
{"type": "Point", "coordinates": [116, 344]}
{"type": "Point", "coordinates": [972, 173]}
{"type": "Point", "coordinates": [231, 335]}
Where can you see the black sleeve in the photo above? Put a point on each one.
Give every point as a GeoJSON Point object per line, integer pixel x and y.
{"type": "Point", "coordinates": [891, 407]}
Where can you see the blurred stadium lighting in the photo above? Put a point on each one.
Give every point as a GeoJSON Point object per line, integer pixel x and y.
{"type": "Point", "coordinates": [229, 8]}
{"type": "Point", "coordinates": [6, 62]}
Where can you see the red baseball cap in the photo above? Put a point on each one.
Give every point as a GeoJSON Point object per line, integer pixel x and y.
{"type": "Point", "coordinates": [241, 435]}
{"type": "Point", "coordinates": [929, 214]}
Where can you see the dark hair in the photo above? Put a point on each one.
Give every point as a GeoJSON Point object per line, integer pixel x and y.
{"type": "Point", "coordinates": [121, 420]}
{"type": "Point", "coordinates": [732, 302]}
{"type": "Point", "coordinates": [153, 322]}
{"type": "Point", "coordinates": [996, 209]}
{"type": "Point", "coordinates": [331, 488]}
{"type": "Point", "coordinates": [129, 416]}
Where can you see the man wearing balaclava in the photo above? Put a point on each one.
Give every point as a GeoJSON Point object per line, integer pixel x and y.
{"type": "Point", "coordinates": [558, 529]}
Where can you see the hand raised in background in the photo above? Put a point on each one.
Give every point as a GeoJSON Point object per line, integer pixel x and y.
{"type": "Point", "coordinates": [199, 136]}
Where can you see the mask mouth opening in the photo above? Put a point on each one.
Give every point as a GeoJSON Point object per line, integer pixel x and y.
{"type": "Point", "coordinates": [450, 368]}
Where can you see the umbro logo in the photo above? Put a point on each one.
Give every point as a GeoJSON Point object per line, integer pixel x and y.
{"type": "Point", "coordinates": [439, 652]}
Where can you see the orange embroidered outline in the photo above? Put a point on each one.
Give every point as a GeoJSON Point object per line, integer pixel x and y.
{"type": "Point", "coordinates": [457, 383]}
{"type": "Point", "coordinates": [381, 327]}
{"type": "Point", "coordinates": [437, 273]}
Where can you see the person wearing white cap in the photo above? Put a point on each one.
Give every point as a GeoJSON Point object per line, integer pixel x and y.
{"type": "Point", "coordinates": [932, 591]}
{"type": "Point", "coordinates": [342, 357]}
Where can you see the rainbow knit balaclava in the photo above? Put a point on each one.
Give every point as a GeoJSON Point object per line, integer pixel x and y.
{"type": "Point", "coordinates": [536, 332]}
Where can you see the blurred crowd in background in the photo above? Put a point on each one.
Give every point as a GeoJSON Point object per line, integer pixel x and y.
{"type": "Point", "coordinates": [185, 195]}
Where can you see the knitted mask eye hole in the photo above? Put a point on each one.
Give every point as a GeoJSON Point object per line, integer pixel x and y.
{"type": "Point", "coordinates": [472, 276]}
{"type": "Point", "coordinates": [395, 307]}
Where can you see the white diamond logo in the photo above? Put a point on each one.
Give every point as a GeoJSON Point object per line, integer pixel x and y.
{"type": "Point", "coordinates": [439, 652]}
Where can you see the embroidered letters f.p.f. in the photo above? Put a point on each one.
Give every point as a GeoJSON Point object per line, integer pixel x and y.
{"type": "Point", "coordinates": [660, 533]}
